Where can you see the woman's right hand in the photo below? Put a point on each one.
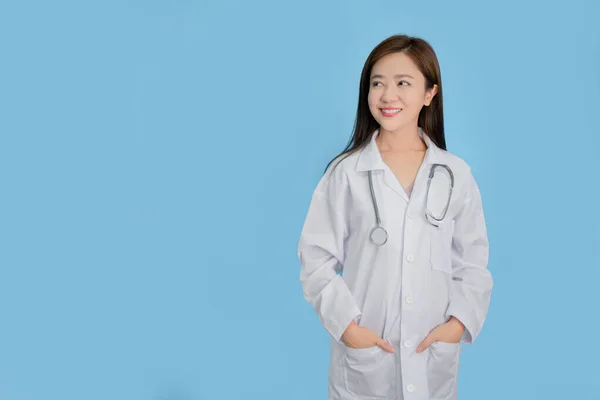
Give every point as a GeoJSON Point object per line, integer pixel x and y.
{"type": "Point", "coordinates": [358, 337]}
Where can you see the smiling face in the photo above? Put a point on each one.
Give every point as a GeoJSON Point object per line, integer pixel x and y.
{"type": "Point", "coordinates": [397, 92]}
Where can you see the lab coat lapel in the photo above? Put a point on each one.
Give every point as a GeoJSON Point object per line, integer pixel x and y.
{"type": "Point", "coordinates": [392, 182]}
{"type": "Point", "coordinates": [371, 159]}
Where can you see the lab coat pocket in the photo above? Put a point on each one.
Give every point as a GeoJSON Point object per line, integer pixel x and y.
{"type": "Point", "coordinates": [442, 370]}
{"type": "Point", "coordinates": [369, 372]}
{"type": "Point", "coordinates": [440, 246]}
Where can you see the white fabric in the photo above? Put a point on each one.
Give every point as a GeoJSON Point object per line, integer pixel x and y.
{"type": "Point", "coordinates": [403, 289]}
{"type": "Point", "coordinates": [408, 189]}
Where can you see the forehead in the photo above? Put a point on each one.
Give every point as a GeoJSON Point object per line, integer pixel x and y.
{"type": "Point", "coordinates": [395, 63]}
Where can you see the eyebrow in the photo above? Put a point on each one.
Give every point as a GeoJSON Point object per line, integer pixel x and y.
{"type": "Point", "coordinates": [377, 76]}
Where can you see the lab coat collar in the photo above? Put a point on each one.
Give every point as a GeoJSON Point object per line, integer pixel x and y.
{"type": "Point", "coordinates": [370, 158]}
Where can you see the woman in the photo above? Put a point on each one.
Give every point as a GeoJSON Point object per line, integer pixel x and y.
{"type": "Point", "coordinates": [394, 249]}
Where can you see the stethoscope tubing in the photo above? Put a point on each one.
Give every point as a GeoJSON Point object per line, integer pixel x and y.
{"type": "Point", "coordinates": [379, 235]}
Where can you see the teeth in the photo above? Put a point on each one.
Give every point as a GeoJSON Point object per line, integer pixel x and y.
{"type": "Point", "coordinates": [391, 111]}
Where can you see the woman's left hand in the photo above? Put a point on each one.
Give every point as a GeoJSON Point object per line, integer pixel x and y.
{"type": "Point", "coordinates": [448, 332]}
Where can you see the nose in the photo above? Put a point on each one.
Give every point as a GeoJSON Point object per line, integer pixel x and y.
{"type": "Point", "coordinates": [389, 94]}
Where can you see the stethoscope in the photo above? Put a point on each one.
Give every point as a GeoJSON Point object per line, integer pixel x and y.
{"type": "Point", "coordinates": [379, 235]}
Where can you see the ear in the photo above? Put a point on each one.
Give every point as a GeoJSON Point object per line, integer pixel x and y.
{"type": "Point", "coordinates": [430, 95]}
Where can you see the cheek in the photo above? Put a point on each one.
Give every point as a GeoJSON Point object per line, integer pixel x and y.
{"type": "Point", "coordinates": [414, 99]}
{"type": "Point", "coordinates": [372, 100]}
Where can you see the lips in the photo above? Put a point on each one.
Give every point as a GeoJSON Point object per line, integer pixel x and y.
{"type": "Point", "coordinates": [390, 112]}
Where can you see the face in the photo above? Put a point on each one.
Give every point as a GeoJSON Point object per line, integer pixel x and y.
{"type": "Point", "coordinates": [397, 92]}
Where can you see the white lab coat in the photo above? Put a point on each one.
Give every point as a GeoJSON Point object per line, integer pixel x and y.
{"type": "Point", "coordinates": [403, 289]}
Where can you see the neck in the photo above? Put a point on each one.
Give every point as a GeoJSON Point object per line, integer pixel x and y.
{"type": "Point", "coordinates": [403, 139]}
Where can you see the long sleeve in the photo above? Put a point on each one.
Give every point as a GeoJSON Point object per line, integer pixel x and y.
{"type": "Point", "coordinates": [321, 255]}
{"type": "Point", "coordinates": [472, 281]}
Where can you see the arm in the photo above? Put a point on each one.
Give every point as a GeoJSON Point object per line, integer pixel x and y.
{"type": "Point", "coordinates": [472, 282]}
{"type": "Point", "coordinates": [321, 254]}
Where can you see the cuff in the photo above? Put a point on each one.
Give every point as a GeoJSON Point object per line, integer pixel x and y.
{"type": "Point", "coordinates": [337, 308]}
{"type": "Point", "coordinates": [339, 327]}
{"type": "Point", "coordinates": [462, 315]}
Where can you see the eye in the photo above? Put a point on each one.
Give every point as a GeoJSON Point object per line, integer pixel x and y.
{"type": "Point", "coordinates": [407, 84]}
{"type": "Point", "coordinates": [375, 83]}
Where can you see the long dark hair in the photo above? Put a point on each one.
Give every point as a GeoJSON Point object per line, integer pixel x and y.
{"type": "Point", "coordinates": [431, 118]}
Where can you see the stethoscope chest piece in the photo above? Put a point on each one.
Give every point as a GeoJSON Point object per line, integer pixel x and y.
{"type": "Point", "coordinates": [379, 236]}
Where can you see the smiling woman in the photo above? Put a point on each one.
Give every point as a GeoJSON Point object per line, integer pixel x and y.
{"type": "Point", "coordinates": [401, 218]}
{"type": "Point", "coordinates": [391, 93]}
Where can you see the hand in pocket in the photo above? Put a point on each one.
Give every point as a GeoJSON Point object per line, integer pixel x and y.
{"type": "Point", "coordinates": [448, 332]}
{"type": "Point", "coordinates": [358, 337]}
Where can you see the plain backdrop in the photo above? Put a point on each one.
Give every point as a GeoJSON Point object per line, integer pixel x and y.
{"type": "Point", "coordinates": [157, 159]}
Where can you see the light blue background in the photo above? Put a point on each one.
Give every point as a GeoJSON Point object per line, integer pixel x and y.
{"type": "Point", "coordinates": [157, 161]}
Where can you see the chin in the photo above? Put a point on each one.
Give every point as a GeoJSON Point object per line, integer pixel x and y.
{"type": "Point", "coordinates": [391, 126]}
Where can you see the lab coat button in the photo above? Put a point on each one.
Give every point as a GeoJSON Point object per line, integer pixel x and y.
{"type": "Point", "coordinates": [407, 343]}
{"type": "Point", "coordinates": [410, 257]}
{"type": "Point", "coordinates": [408, 299]}
{"type": "Point", "coordinates": [410, 388]}
{"type": "Point", "coordinates": [410, 214]}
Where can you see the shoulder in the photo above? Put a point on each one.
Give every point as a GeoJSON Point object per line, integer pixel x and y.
{"type": "Point", "coordinates": [337, 174]}
{"type": "Point", "coordinates": [458, 165]}
{"type": "Point", "coordinates": [465, 185]}
{"type": "Point", "coordinates": [464, 181]}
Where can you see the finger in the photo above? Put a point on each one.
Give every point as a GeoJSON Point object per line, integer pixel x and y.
{"type": "Point", "coordinates": [424, 345]}
{"type": "Point", "coordinates": [385, 345]}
